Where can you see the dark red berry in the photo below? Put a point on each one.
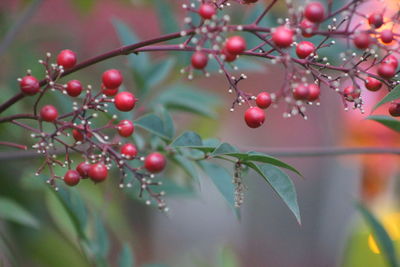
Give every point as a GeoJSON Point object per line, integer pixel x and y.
{"type": "Point", "coordinates": [314, 12]}
{"type": "Point", "coordinates": [263, 100]}
{"type": "Point", "coordinates": [79, 133]}
{"type": "Point", "coordinates": [66, 58]}
{"type": "Point", "coordinates": [109, 92]}
{"type": "Point", "coordinates": [376, 20]}
{"type": "Point", "coordinates": [112, 79]}
{"type": "Point", "coordinates": [250, 1]}
{"type": "Point", "coordinates": [129, 151]}
{"type": "Point", "coordinates": [48, 113]}
{"type": "Point", "coordinates": [304, 49]}
{"type": "Point", "coordinates": [98, 172]}
{"type": "Point", "coordinates": [313, 92]}
{"type": "Point", "coordinates": [228, 56]}
{"type": "Point", "coordinates": [199, 60]}
{"type": "Point", "coordinates": [392, 60]}
{"type": "Point", "coordinates": [301, 92]}
{"type": "Point", "coordinates": [373, 84]}
{"type": "Point", "coordinates": [386, 70]}
{"type": "Point", "coordinates": [387, 36]}
{"type": "Point", "coordinates": [125, 128]}
{"type": "Point", "coordinates": [83, 169]}
{"type": "Point", "coordinates": [29, 85]}
{"type": "Point", "coordinates": [282, 36]}
{"type": "Point", "coordinates": [74, 88]}
{"type": "Point", "coordinates": [155, 162]}
{"type": "Point", "coordinates": [125, 101]}
{"type": "Point", "coordinates": [254, 117]}
{"type": "Point", "coordinates": [362, 40]}
{"type": "Point", "coordinates": [350, 93]}
{"type": "Point", "coordinates": [235, 45]}
{"type": "Point", "coordinates": [307, 27]}
{"type": "Point", "coordinates": [207, 11]}
{"type": "Point", "coordinates": [72, 177]}
{"type": "Point", "coordinates": [394, 109]}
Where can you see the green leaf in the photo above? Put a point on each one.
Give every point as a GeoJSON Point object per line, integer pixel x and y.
{"type": "Point", "coordinates": [168, 22]}
{"type": "Point", "coordinates": [392, 95]}
{"type": "Point", "coordinates": [222, 179]}
{"type": "Point", "coordinates": [280, 183]}
{"type": "Point", "coordinates": [159, 72]}
{"type": "Point", "coordinates": [187, 165]}
{"type": "Point", "coordinates": [169, 127]}
{"type": "Point", "coordinates": [187, 139]}
{"type": "Point", "coordinates": [12, 211]}
{"type": "Point", "coordinates": [84, 5]}
{"type": "Point", "coordinates": [261, 157]}
{"type": "Point", "coordinates": [389, 122]}
{"type": "Point", "coordinates": [126, 258]}
{"type": "Point", "coordinates": [100, 244]}
{"type": "Point", "coordinates": [152, 124]}
{"type": "Point", "coordinates": [225, 149]}
{"type": "Point", "coordinates": [383, 239]}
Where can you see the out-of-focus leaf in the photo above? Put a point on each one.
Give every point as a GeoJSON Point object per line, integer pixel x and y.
{"type": "Point", "coordinates": [168, 22]}
{"type": "Point", "coordinates": [159, 72]}
{"type": "Point", "coordinates": [392, 95]}
{"type": "Point", "coordinates": [379, 233]}
{"type": "Point", "coordinates": [126, 258]}
{"type": "Point", "coordinates": [225, 149]}
{"type": "Point", "coordinates": [100, 244]}
{"type": "Point", "coordinates": [153, 124]}
{"type": "Point", "coordinates": [227, 258]}
{"type": "Point", "coordinates": [187, 165]}
{"type": "Point", "coordinates": [280, 183]}
{"type": "Point", "coordinates": [389, 122]}
{"type": "Point", "coordinates": [12, 211]}
{"type": "Point", "coordinates": [187, 139]}
{"type": "Point", "coordinates": [84, 5]}
{"type": "Point", "coordinates": [169, 126]}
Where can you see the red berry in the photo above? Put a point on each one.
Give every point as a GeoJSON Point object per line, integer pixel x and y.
{"type": "Point", "coordinates": [125, 101]}
{"type": "Point", "coordinates": [155, 162]}
{"type": "Point", "coordinates": [394, 109]}
{"type": "Point", "coordinates": [199, 60]}
{"type": "Point", "coordinates": [83, 169]}
{"type": "Point", "coordinates": [307, 27]}
{"type": "Point", "coordinates": [112, 79]}
{"type": "Point", "coordinates": [350, 93]}
{"type": "Point", "coordinates": [304, 49]}
{"type": "Point", "coordinates": [263, 100]}
{"type": "Point", "coordinates": [48, 113]}
{"type": "Point", "coordinates": [314, 12]}
{"type": "Point", "coordinates": [254, 117]}
{"type": "Point", "coordinates": [72, 177]}
{"type": "Point", "coordinates": [129, 151]}
{"type": "Point", "coordinates": [98, 172]}
{"type": "Point", "coordinates": [386, 70]}
{"type": "Point", "coordinates": [387, 36]}
{"type": "Point", "coordinates": [373, 84]}
{"type": "Point", "coordinates": [376, 20]}
{"type": "Point", "coordinates": [29, 85]}
{"type": "Point", "coordinates": [125, 128]}
{"type": "Point", "coordinates": [362, 40]}
{"type": "Point", "coordinates": [301, 92]}
{"type": "Point", "coordinates": [109, 92]}
{"type": "Point", "coordinates": [392, 60]}
{"type": "Point", "coordinates": [235, 45]}
{"type": "Point", "coordinates": [228, 56]}
{"type": "Point", "coordinates": [314, 92]}
{"type": "Point", "coordinates": [207, 11]}
{"type": "Point", "coordinates": [74, 88]}
{"type": "Point", "coordinates": [282, 36]}
{"type": "Point", "coordinates": [66, 58]}
{"type": "Point", "coordinates": [79, 134]}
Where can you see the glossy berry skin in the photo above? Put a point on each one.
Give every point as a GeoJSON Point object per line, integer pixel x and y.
{"type": "Point", "coordinates": [392, 60]}
{"type": "Point", "coordinates": [207, 11]}
{"type": "Point", "coordinates": [125, 128]}
{"type": "Point", "coordinates": [155, 162]}
{"type": "Point", "coordinates": [387, 36]}
{"type": "Point", "coordinates": [307, 27]}
{"type": "Point", "coordinates": [313, 92]}
{"type": "Point", "coordinates": [314, 12]}
{"type": "Point", "coordinates": [199, 60]}
{"type": "Point", "coordinates": [125, 101]}
{"type": "Point", "coordinates": [48, 113]}
{"type": "Point", "coordinates": [304, 49]}
{"type": "Point", "coordinates": [301, 92]}
{"type": "Point", "coordinates": [375, 20]}
{"type": "Point", "coordinates": [228, 56]}
{"type": "Point", "coordinates": [129, 151]}
{"type": "Point", "coordinates": [72, 177]}
{"type": "Point", "coordinates": [112, 79]}
{"type": "Point", "coordinates": [386, 70]}
{"type": "Point", "coordinates": [362, 40]}
{"type": "Point", "coordinates": [235, 45]}
{"type": "Point", "coordinates": [351, 94]}
{"type": "Point", "coordinates": [282, 37]}
{"type": "Point", "coordinates": [29, 85]}
{"type": "Point", "coordinates": [394, 109]}
{"type": "Point", "coordinates": [66, 58]}
{"type": "Point", "coordinates": [109, 92]}
{"type": "Point", "coordinates": [98, 172]}
{"type": "Point", "coordinates": [373, 84]}
{"type": "Point", "coordinates": [83, 169]}
{"type": "Point", "coordinates": [74, 88]}
{"type": "Point", "coordinates": [254, 117]}
{"type": "Point", "coordinates": [263, 100]}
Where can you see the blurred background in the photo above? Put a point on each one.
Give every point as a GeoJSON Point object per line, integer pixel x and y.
{"type": "Point", "coordinates": [200, 229]}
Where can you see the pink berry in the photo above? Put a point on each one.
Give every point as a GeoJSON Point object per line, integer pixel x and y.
{"type": "Point", "coordinates": [313, 92]}
{"type": "Point", "coordinates": [29, 85]}
{"type": "Point", "coordinates": [263, 100]}
{"type": "Point", "coordinates": [199, 60]}
{"type": "Point", "coordinates": [98, 172]}
{"type": "Point", "coordinates": [74, 88]}
{"type": "Point", "coordinates": [387, 36]}
{"type": "Point", "coordinates": [125, 128]}
{"type": "Point", "coordinates": [373, 84]}
{"type": "Point", "coordinates": [125, 101]}
{"type": "Point", "coordinates": [386, 71]}
{"type": "Point", "coordinates": [301, 92]}
{"type": "Point", "coordinates": [350, 93]}
{"type": "Point", "coordinates": [207, 11]}
{"type": "Point", "coordinates": [235, 45]}
{"type": "Point", "coordinates": [282, 37]}
{"type": "Point", "coordinates": [304, 49]}
{"type": "Point", "coordinates": [48, 113]}
{"type": "Point", "coordinates": [66, 58]}
{"type": "Point", "coordinates": [394, 109]}
{"type": "Point", "coordinates": [254, 117]}
{"type": "Point", "coordinates": [83, 169]}
{"type": "Point", "coordinates": [72, 177]}
{"type": "Point", "coordinates": [392, 60]}
{"type": "Point", "coordinates": [376, 20]}
{"type": "Point", "coordinates": [314, 12]}
{"type": "Point", "coordinates": [129, 151]}
{"type": "Point", "coordinates": [307, 28]}
{"type": "Point", "coordinates": [155, 162]}
{"type": "Point", "coordinates": [362, 40]}
{"type": "Point", "coordinates": [112, 79]}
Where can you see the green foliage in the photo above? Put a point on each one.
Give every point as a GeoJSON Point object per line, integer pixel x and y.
{"type": "Point", "coordinates": [392, 95]}
{"type": "Point", "coordinates": [126, 257]}
{"type": "Point", "coordinates": [389, 122]}
{"type": "Point", "coordinates": [12, 211]}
